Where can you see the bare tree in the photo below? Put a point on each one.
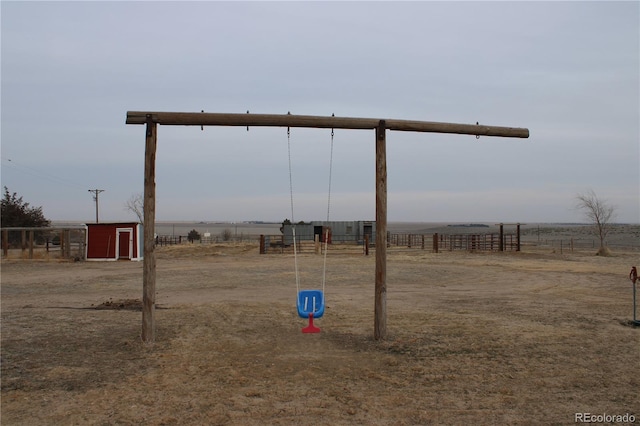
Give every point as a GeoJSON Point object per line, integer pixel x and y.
{"type": "Point", "coordinates": [226, 234]}
{"type": "Point", "coordinates": [599, 213]}
{"type": "Point", "coordinates": [135, 204]}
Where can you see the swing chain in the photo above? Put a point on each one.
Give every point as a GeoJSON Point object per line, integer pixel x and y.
{"type": "Point", "coordinates": [330, 175]}
{"type": "Point", "coordinates": [293, 223]}
{"type": "Point", "coordinates": [290, 173]}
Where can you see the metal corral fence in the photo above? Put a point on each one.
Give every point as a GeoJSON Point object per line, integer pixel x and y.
{"type": "Point", "coordinates": [433, 242]}
{"type": "Point", "coordinates": [44, 243]}
{"type": "Point", "coordinates": [571, 244]}
{"type": "Point", "coordinates": [168, 240]}
{"type": "Point", "coordinates": [270, 244]}
{"type": "Point", "coordinates": [479, 242]}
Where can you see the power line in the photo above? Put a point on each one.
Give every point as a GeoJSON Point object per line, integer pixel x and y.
{"type": "Point", "coordinates": [40, 174]}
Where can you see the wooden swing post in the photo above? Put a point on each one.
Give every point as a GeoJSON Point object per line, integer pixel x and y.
{"type": "Point", "coordinates": [380, 303]}
{"type": "Point", "coordinates": [152, 119]}
{"type": "Point", "coordinates": [149, 261]}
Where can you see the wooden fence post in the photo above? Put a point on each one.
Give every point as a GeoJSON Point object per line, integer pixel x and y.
{"type": "Point", "coordinates": [366, 245]}
{"type": "Point", "coordinates": [67, 238]}
{"type": "Point", "coordinates": [435, 242]}
{"type": "Point", "coordinates": [262, 247]}
{"type": "Point", "coordinates": [31, 244]}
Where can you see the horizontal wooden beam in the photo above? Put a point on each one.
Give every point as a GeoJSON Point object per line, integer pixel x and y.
{"type": "Point", "coordinates": [311, 121]}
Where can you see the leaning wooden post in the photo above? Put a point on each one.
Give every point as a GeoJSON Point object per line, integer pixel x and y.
{"type": "Point", "coordinates": [380, 310]}
{"type": "Point", "coordinates": [149, 261]}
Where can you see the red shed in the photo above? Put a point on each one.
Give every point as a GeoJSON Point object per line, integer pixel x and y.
{"type": "Point", "coordinates": [114, 241]}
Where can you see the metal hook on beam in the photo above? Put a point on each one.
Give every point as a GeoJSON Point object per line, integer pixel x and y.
{"type": "Point", "coordinates": [333, 115]}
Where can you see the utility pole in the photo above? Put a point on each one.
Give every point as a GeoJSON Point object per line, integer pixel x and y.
{"type": "Point", "coordinates": [95, 198]}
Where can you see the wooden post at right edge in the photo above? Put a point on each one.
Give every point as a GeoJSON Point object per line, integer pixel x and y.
{"type": "Point", "coordinates": [380, 309]}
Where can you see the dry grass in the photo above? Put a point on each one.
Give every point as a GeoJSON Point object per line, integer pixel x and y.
{"type": "Point", "coordinates": [473, 339]}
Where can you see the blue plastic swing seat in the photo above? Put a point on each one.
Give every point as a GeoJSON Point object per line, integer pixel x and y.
{"type": "Point", "coordinates": [310, 301]}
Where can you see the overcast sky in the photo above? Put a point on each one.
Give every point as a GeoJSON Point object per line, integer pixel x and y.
{"type": "Point", "coordinates": [569, 72]}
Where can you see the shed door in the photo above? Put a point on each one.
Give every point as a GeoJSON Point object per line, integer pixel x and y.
{"type": "Point", "coordinates": [124, 244]}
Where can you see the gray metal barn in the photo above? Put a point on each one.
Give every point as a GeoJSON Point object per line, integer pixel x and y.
{"type": "Point", "coordinates": [339, 232]}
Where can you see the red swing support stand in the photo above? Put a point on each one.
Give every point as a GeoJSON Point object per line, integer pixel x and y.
{"type": "Point", "coordinates": [311, 328]}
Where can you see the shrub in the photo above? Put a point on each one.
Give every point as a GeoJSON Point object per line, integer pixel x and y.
{"type": "Point", "coordinates": [193, 236]}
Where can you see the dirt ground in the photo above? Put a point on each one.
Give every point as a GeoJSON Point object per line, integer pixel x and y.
{"type": "Point", "coordinates": [502, 338]}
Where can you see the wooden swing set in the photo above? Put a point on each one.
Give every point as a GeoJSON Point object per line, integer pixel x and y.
{"type": "Point", "coordinates": [152, 119]}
